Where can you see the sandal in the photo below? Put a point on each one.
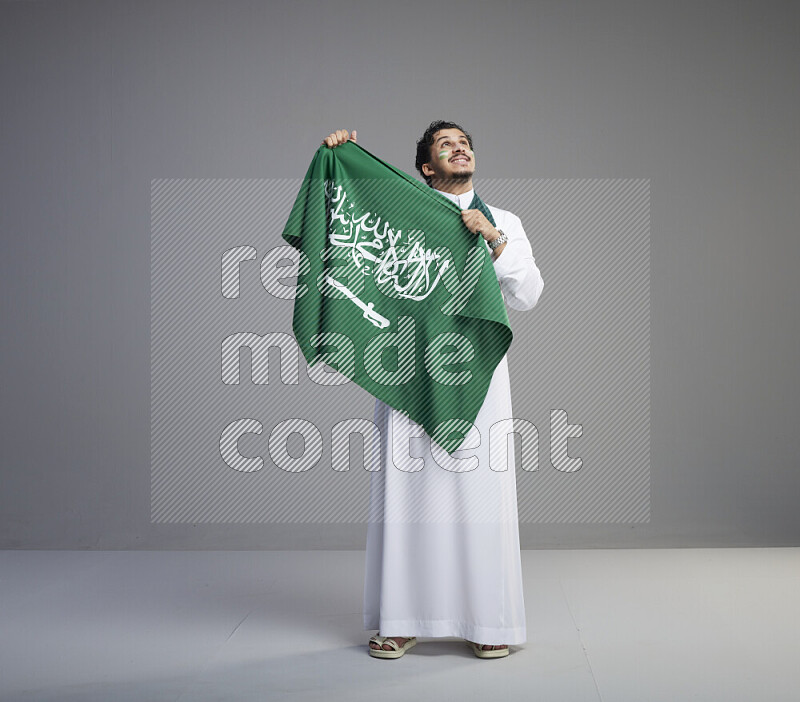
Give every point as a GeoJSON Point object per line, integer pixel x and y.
{"type": "Point", "coordinates": [398, 650]}
{"type": "Point", "coordinates": [487, 652]}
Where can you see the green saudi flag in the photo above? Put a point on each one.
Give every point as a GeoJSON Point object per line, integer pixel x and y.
{"type": "Point", "coordinates": [394, 292]}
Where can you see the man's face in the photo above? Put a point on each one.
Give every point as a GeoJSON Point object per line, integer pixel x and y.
{"type": "Point", "coordinates": [451, 156]}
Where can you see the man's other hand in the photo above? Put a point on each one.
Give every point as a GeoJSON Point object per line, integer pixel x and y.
{"type": "Point", "coordinates": [477, 223]}
{"type": "Point", "coordinates": [340, 136]}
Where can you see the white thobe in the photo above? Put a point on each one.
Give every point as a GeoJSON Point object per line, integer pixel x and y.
{"type": "Point", "coordinates": [443, 555]}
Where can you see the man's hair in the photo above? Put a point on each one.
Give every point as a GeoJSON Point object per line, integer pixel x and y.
{"type": "Point", "coordinates": [426, 141]}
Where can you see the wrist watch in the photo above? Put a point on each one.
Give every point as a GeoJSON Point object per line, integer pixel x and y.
{"type": "Point", "coordinates": [500, 240]}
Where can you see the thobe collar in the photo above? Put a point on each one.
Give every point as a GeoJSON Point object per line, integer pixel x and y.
{"type": "Point", "coordinates": [463, 201]}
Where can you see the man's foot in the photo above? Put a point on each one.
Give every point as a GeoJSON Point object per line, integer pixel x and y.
{"type": "Point", "coordinates": [386, 647]}
{"type": "Point", "coordinates": [488, 647]}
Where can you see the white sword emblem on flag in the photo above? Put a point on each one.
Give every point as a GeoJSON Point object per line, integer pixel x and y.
{"type": "Point", "coordinates": [369, 308]}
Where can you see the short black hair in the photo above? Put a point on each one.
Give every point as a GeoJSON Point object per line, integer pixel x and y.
{"type": "Point", "coordinates": [426, 141]}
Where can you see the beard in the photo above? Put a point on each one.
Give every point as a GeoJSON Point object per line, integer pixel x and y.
{"type": "Point", "coordinates": [457, 177]}
{"type": "Point", "coordinates": [453, 178]}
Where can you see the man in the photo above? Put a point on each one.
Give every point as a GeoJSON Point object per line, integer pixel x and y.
{"type": "Point", "coordinates": [439, 575]}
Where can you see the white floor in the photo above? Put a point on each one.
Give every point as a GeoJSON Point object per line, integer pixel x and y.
{"type": "Point", "coordinates": [611, 625]}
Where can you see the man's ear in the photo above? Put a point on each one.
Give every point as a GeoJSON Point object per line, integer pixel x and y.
{"type": "Point", "coordinates": [427, 170]}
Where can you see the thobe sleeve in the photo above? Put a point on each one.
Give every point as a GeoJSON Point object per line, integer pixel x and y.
{"type": "Point", "coordinates": [516, 269]}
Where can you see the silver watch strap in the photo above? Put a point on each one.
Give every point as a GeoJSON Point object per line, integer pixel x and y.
{"type": "Point", "coordinates": [499, 241]}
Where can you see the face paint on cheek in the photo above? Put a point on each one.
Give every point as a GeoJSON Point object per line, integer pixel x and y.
{"type": "Point", "coordinates": [443, 155]}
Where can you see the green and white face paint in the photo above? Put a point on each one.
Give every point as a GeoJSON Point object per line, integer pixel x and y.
{"type": "Point", "coordinates": [446, 154]}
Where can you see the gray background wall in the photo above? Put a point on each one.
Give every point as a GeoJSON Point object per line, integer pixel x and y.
{"type": "Point", "coordinates": [101, 97]}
